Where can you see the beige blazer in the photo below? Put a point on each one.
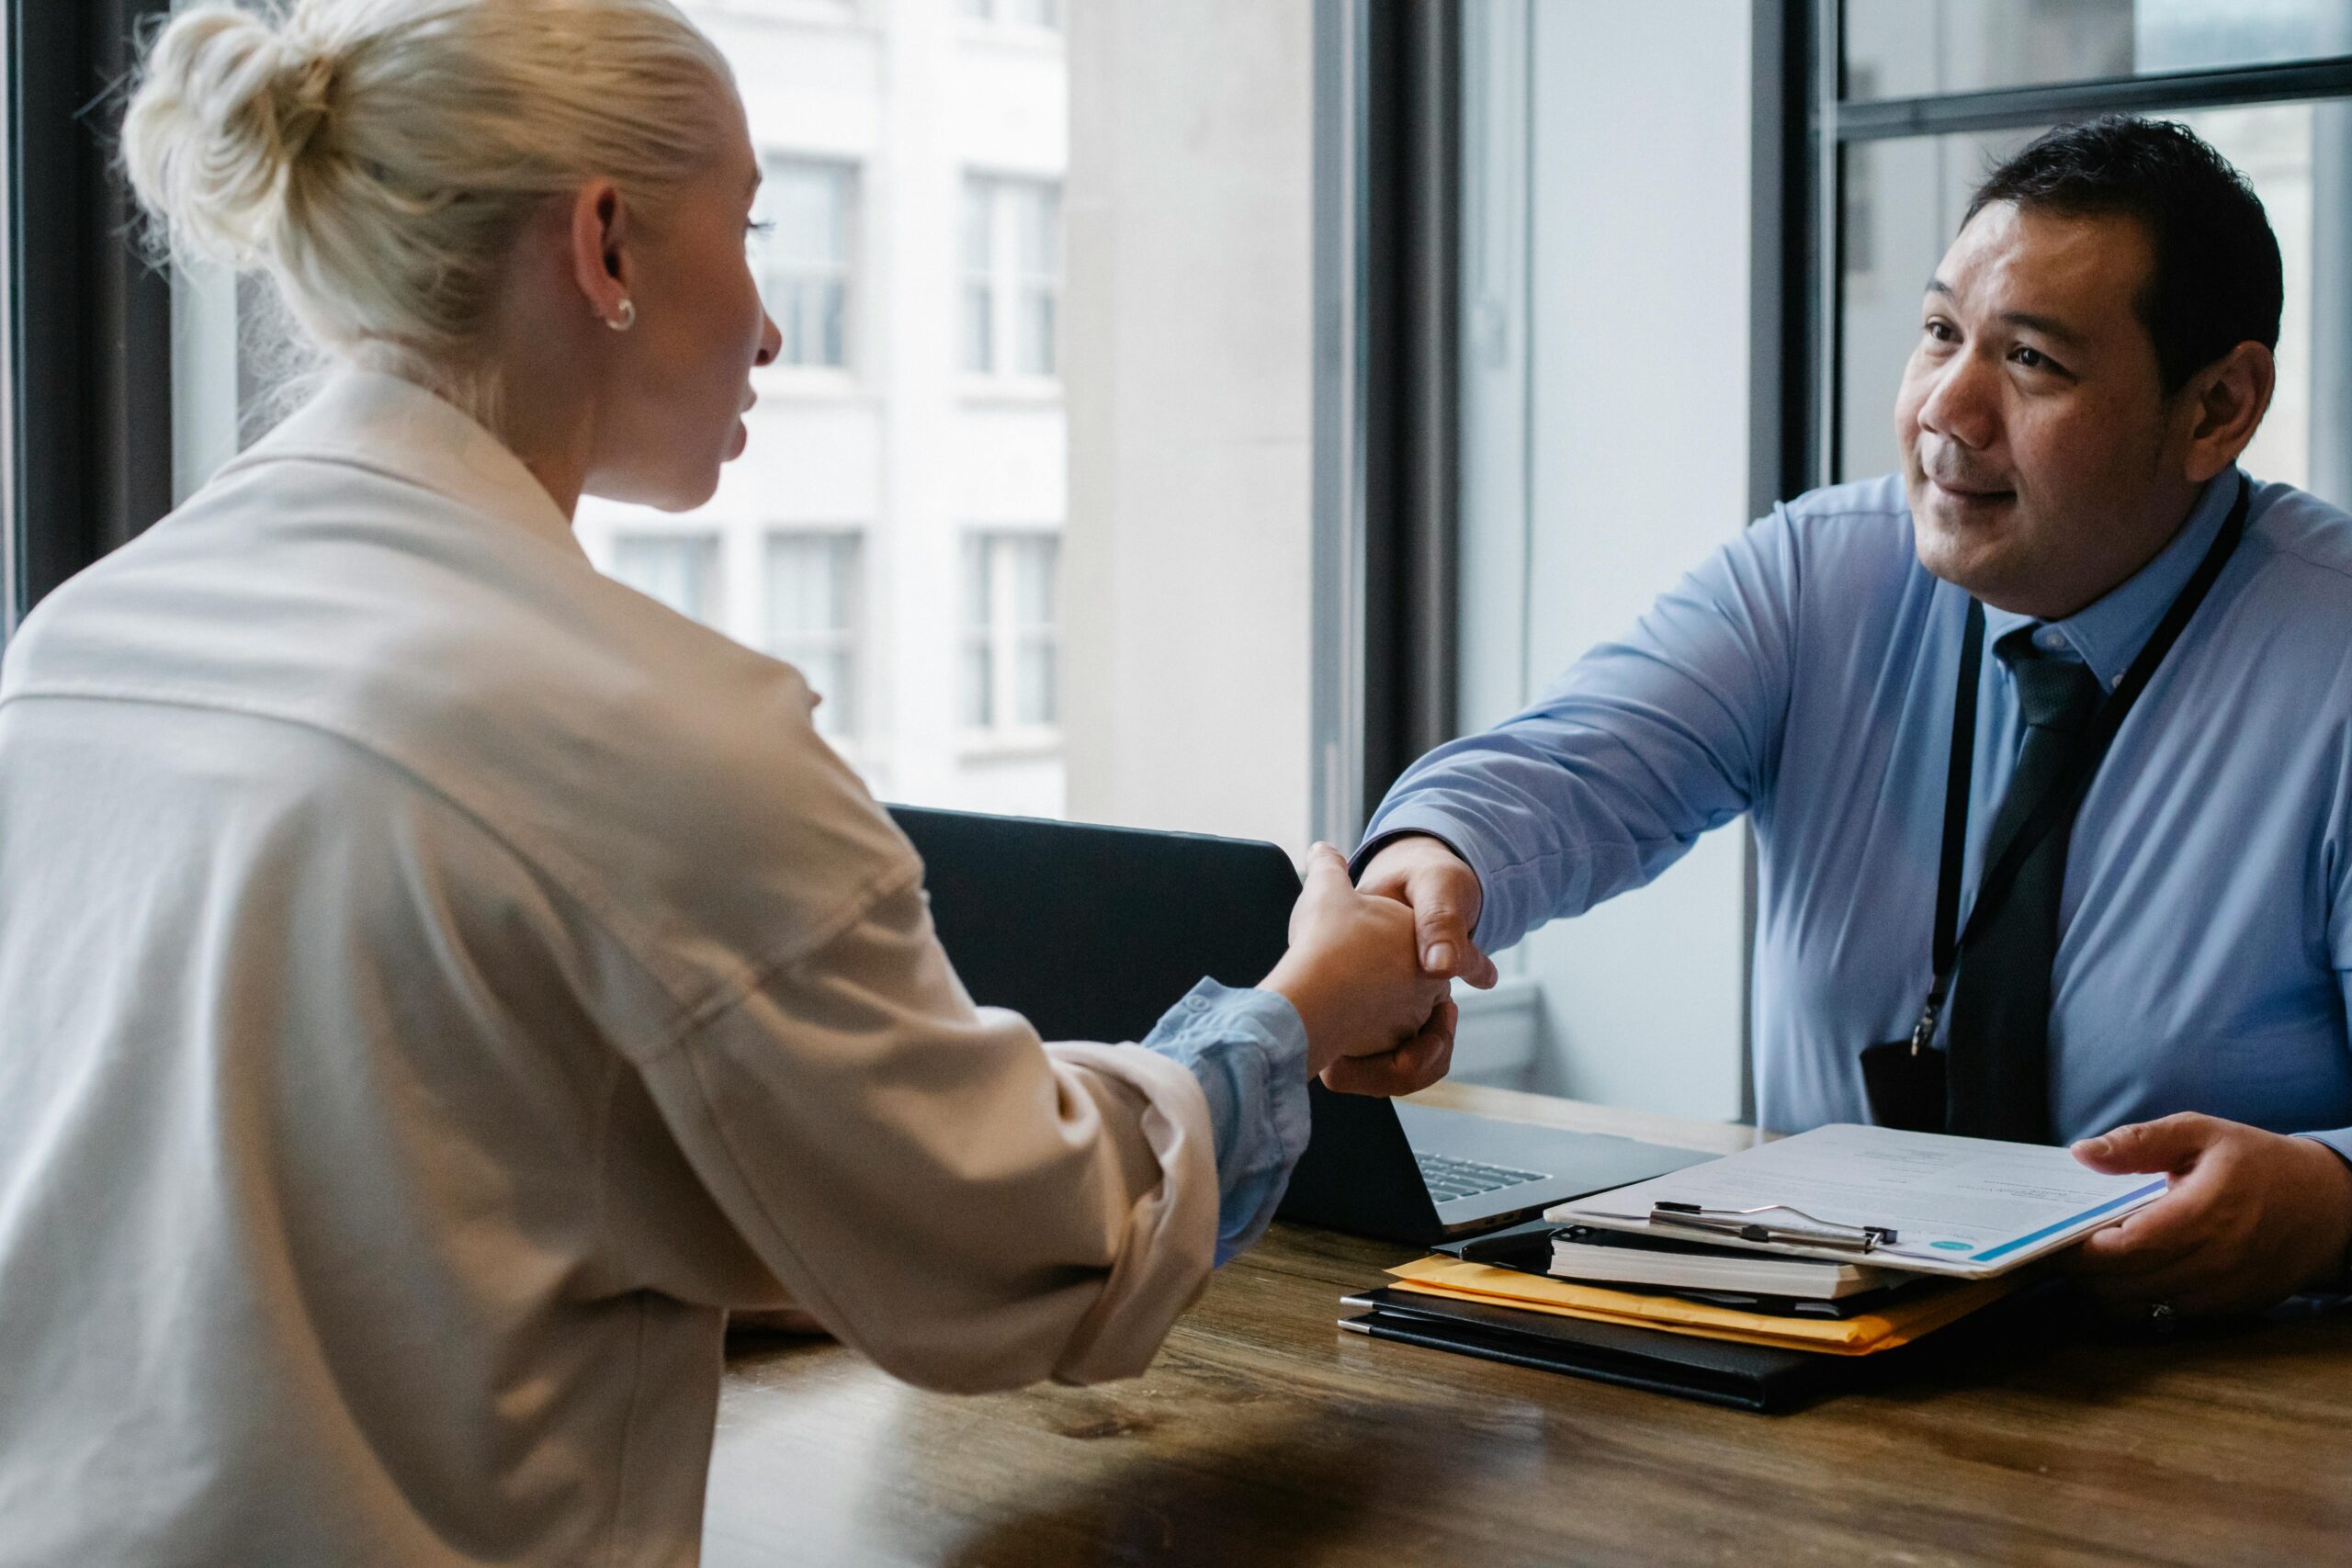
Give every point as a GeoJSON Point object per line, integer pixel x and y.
{"type": "Point", "coordinates": [437, 982]}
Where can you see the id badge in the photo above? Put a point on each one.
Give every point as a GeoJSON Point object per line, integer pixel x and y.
{"type": "Point", "coordinates": [1906, 1086]}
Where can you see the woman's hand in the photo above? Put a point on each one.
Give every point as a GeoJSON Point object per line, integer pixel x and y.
{"type": "Point", "coordinates": [1376, 1023]}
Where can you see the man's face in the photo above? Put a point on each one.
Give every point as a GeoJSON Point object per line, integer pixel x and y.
{"type": "Point", "coordinates": [2035, 429]}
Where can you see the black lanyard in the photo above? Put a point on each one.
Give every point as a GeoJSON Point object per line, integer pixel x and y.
{"type": "Point", "coordinates": [2066, 788]}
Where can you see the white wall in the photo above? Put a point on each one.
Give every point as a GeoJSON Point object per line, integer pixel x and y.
{"type": "Point", "coordinates": [1632, 322]}
{"type": "Point", "coordinates": [1186, 552]}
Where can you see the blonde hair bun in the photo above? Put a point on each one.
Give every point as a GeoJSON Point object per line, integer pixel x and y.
{"type": "Point", "coordinates": [379, 157]}
{"type": "Point", "coordinates": [226, 104]}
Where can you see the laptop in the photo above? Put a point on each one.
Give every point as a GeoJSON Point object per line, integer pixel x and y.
{"type": "Point", "coordinates": [1092, 932]}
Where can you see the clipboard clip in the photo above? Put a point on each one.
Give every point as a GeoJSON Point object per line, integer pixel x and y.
{"type": "Point", "coordinates": [1742, 1223]}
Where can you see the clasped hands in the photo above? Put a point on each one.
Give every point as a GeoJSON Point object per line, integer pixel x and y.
{"type": "Point", "coordinates": [2250, 1217]}
{"type": "Point", "coordinates": [1370, 970]}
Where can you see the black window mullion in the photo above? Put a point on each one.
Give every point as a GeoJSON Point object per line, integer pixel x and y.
{"type": "Point", "coordinates": [2007, 108]}
{"type": "Point", "coordinates": [89, 328]}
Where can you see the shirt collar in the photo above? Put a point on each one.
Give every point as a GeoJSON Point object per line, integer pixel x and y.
{"type": "Point", "coordinates": [2108, 633]}
{"type": "Point", "coordinates": [397, 428]}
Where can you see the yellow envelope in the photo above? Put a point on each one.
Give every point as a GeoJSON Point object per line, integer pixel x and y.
{"type": "Point", "coordinates": [1860, 1335]}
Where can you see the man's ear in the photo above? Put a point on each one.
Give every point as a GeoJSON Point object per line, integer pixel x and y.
{"type": "Point", "coordinates": [2222, 408]}
{"type": "Point", "coordinates": [600, 238]}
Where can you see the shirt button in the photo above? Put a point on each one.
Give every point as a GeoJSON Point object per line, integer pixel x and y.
{"type": "Point", "coordinates": [1197, 1004]}
{"type": "Point", "coordinates": [2049, 639]}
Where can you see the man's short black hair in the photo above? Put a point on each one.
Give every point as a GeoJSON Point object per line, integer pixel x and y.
{"type": "Point", "coordinates": [2216, 282]}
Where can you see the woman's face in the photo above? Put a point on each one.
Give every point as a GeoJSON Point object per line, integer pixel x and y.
{"type": "Point", "coordinates": [683, 379]}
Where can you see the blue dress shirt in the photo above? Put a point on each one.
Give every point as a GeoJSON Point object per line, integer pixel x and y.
{"type": "Point", "coordinates": [1248, 1048]}
{"type": "Point", "coordinates": [1805, 675]}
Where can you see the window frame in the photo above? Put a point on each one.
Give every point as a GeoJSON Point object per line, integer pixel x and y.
{"type": "Point", "coordinates": [705, 539]}
{"type": "Point", "coordinates": [1810, 439]}
{"type": "Point", "coordinates": [89, 321]}
{"type": "Point", "coordinates": [1387, 222]}
{"type": "Point", "coordinates": [1007, 284]}
{"type": "Point", "coordinates": [848, 640]}
{"type": "Point", "coordinates": [849, 177]}
{"type": "Point", "coordinates": [1004, 636]}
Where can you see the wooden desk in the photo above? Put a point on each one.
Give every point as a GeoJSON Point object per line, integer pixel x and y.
{"type": "Point", "coordinates": [1265, 1436]}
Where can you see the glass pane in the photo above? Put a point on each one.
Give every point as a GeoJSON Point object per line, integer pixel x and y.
{"type": "Point", "coordinates": [978, 238]}
{"type": "Point", "coordinates": [978, 228]}
{"type": "Point", "coordinates": [1906, 205]}
{"type": "Point", "coordinates": [978, 704]}
{"type": "Point", "coordinates": [809, 582]}
{"type": "Point", "coordinates": [979, 328]}
{"type": "Point", "coordinates": [1900, 48]}
{"type": "Point", "coordinates": [804, 258]}
{"type": "Point", "coordinates": [1033, 693]}
{"type": "Point", "coordinates": [676, 569]}
{"type": "Point", "coordinates": [1037, 218]}
{"type": "Point", "coordinates": [1034, 562]}
{"type": "Point", "coordinates": [979, 583]}
{"type": "Point", "coordinates": [1037, 351]}
{"type": "Point", "coordinates": [808, 203]}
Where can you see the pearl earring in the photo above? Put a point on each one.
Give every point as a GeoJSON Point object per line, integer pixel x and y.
{"type": "Point", "coordinates": [624, 318]}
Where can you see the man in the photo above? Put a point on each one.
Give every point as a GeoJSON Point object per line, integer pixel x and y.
{"type": "Point", "coordinates": [2161, 968]}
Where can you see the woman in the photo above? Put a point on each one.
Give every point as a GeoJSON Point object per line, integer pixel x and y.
{"type": "Point", "coordinates": [440, 982]}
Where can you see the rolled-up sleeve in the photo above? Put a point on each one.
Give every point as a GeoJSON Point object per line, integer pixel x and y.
{"type": "Point", "coordinates": [968, 1206]}
{"type": "Point", "coordinates": [1247, 1049]}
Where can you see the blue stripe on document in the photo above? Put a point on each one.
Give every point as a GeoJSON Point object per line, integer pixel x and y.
{"type": "Point", "coordinates": [1990, 1253]}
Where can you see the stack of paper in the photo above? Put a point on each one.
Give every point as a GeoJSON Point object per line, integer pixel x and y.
{"type": "Point", "coordinates": [1907, 1233]}
{"type": "Point", "coordinates": [1898, 1323]}
{"type": "Point", "coordinates": [1620, 1257]}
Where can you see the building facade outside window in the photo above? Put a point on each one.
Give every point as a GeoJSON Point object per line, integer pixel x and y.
{"type": "Point", "coordinates": [1013, 276]}
{"type": "Point", "coordinates": [1010, 679]}
{"type": "Point", "coordinates": [680, 570]}
{"type": "Point", "coordinates": [814, 598]}
{"type": "Point", "coordinates": [803, 254]}
{"type": "Point", "coordinates": [916, 156]}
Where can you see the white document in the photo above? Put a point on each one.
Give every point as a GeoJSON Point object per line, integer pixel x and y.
{"type": "Point", "coordinates": [1971, 1207]}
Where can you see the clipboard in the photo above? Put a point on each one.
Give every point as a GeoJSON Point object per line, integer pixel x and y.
{"type": "Point", "coordinates": [1968, 1208]}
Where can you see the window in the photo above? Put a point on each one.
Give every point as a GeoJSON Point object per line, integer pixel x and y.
{"type": "Point", "coordinates": [1011, 249]}
{"type": "Point", "coordinates": [1920, 48]}
{"type": "Point", "coordinates": [1903, 184]}
{"type": "Point", "coordinates": [1011, 677]}
{"type": "Point", "coordinates": [812, 619]}
{"type": "Point", "coordinates": [915, 160]}
{"type": "Point", "coordinates": [680, 570]}
{"type": "Point", "coordinates": [804, 258]}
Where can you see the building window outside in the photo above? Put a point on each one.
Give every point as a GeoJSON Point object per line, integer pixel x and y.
{"type": "Point", "coordinates": [813, 614]}
{"type": "Point", "coordinates": [680, 570]}
{"type": "Point", "coordinates": [1011, 681]}
{"type": "Point", "coordinates": [1013, 276]}
{"type": "Point", "coordinates": [803, 257]}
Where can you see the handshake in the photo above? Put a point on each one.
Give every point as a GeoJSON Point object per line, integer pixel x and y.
{"type": "Point", "coordinates": [1369, 967]}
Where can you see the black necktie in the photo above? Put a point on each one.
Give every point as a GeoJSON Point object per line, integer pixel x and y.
{"type": "Point", "coordinates": [1998, 1074]}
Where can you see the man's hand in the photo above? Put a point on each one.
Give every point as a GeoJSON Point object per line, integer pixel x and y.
{"type": "Point", "coordinates": [1376, 1023]}
{"type": "Point", "coordinates": [1433, 881]}
{"type": "Point", "coordinates": [2251, 1217]}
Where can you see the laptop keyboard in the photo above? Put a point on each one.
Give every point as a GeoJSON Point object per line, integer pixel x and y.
{"type": "Point", "coordinates": [1450, 1178]}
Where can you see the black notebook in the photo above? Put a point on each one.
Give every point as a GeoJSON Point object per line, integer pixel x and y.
{"type": "Point", "coordinates": [1720, 1371]}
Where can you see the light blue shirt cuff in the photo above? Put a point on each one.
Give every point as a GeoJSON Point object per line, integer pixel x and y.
{"type": "Point", "coordinates": [1406, 814]}
{"type": "Point", "coordinates": [2340, 1141]}
{"type": "Point", "coordinates": [1248, 1048]}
